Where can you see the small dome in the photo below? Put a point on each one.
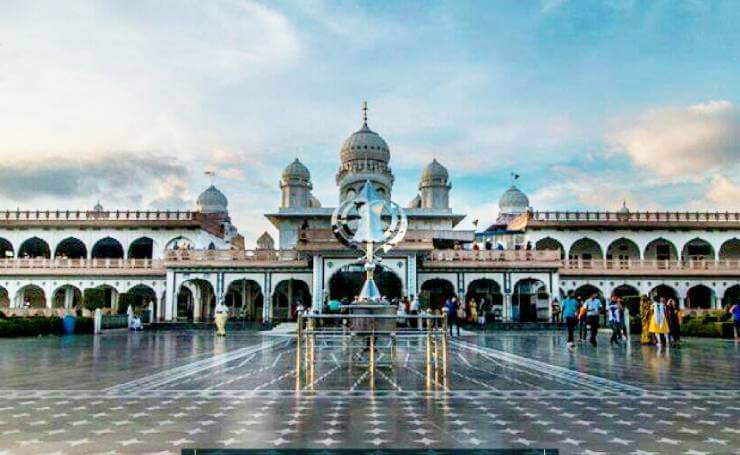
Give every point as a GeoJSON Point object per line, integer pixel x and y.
{"type": "Point", "coordinates": [296, 169]}
{"type": "Point", "coordinates": [212, 200]}
{"type": "Point", "coordinates": [434, 171]}
{"type": "Point", "coordinates": [624, 210]}
{"type": "Point", "coordinates": [98, 207]}
{"type": "Point", "coordinates": [513, 201]}
{"type": "Point", "coordinates": [365, 144]}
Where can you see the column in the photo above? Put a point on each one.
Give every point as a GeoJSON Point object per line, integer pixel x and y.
{"type": "Point", "coordinates": [317, 283]}
{"type": "Point", "coordinates": [411, 280]}
{"type": "Point", "coordinates": [49, 299]}
{"type": "Point", "coordinates": [69, 296]}
{"type": "Point", "coordinates": [244, 298]}
{"type": "Point", "coordinates": [170, 294]}
{"type": "Point", "coordinates": [197, 303]}
{"type": "Point", "coordinates": [507, 307]}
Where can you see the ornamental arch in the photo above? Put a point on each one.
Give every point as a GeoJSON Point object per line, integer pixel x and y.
{"type": "Point", "coordinates": [6, 248]}
{"type": "Point", "coordinates": [697, 250]}
{"type": "Point", "coordinates": [107, 248]}
{"type": "Point", "coordinates": [549, 243]}
{"type": "Point", "coordinates": [730, 250]}
{"type": "Point", "coordinates": [287, 296]}
{"type": "Point", "coordinates": [586, 249]}
{"type": "Point", "coordinates": [661, 249]}
{"type": "Point", "coordinates": [530, 300]}
{"type": "Point", "coordinates": [34, 247]}
{"type": "Point", "coordinates": [71, 248]}
{"type": "Point", "coordinates": [435, 291]}
{"type": "Point", "coordinates": [700, 296]}
{"type": "Point", "coordinates": [66, 296]}
{"type": "Point", "coordinates": [623, 250]}
{"type": "Point", "coordinates": [31, 296]}
{"type": "Point", "coordinates": [245, 299]}
{"type": "Point", "coordinates": [141, 248]}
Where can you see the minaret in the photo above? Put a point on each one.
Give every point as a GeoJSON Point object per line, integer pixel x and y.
{"type": "Point", "coordinates": [434, 187]}
{"type": "Point", "coordinates": [295, 185]}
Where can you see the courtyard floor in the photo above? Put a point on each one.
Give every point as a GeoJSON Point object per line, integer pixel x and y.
{"type": "Point", "coordinates": [160, 392]}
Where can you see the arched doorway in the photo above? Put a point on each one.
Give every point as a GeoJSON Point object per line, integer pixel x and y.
{"type": "Point", "coordinates": [730, 250]}
{"type": "Point", "coordinates": [661, 250]}
{"type": "Point", "coordinates": [622, 251]}
{"type": "Point", "coordinates": [139, 298]}
{"type": "Point", "coordinates": [549, 243]}
{"type": "Point", "coordinates": [71, 248]}
{"type": "Point", "coordinates": [530, 301]}
{"type": "Point", "coordinates": [347, 282]}
{"type": "Point", "coordinates": [485, 289]}
{"type": "Point", "coordinates": [245, 300]}
{"type": "Point", "coordinates": [107, 248]}
{"type": "Point", "coordinates": [586, 251]}
{"type": "Point", "coordinates": [663, 291]}
{"type": "Point", "coordinates": [104, 296]}
{"type": "Point", "coordinates": [180, 243]}
{"type": "Point", "coordinates": [66, 296]}
{"type": "Point", "coordinates": [31, 296]}
{"type": "Point", "coordinates": [700, 297]}
{"type": "Point", "coordinates": [288, 294]}
{"type": "Point", "coordinates": [587, 291]}
{"type": "Point", "coordinates": [6, 249]}
{"type": "Point", "coordinates": [4, 298]}
{"type": "Point", "coordinates": [731, 296]}
{"type": "Point", "coordinates": [196, 300]}
{"type": "Point", "coordinates": [697, 250]}
{"type": "Point", "coordinates": [141, 248]}
{"type": "Point", "coordinates": [435, 292]}
{"type": "Point", "coordinates": [630, 296]}
{"type": "Point", "coordinates": [34, 248]}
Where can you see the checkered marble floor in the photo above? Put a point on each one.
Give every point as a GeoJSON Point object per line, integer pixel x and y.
{"type": "Point", "coordinates": [161, 392]}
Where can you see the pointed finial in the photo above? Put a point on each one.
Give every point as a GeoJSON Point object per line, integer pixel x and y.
{"type": "Point", "coordinates": [211, 175]}
{"type": "Point", "coordinates": [364, 112]}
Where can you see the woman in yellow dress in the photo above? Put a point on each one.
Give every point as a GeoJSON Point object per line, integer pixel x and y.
{"type": "Point", "coordinates": [645, 313]}
{"type": "Point", "coordinates": [659, 322]}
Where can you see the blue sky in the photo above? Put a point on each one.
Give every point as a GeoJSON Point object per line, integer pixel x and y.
{"type": "Point", "coordinates": [592, 102]}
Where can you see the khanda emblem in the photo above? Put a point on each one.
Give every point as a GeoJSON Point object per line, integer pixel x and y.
{"type": "Point", "coordinates": [369, 221]}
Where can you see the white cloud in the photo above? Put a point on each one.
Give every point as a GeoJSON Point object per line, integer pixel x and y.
{"type": "Point", "coordinates": [723, 193]}
{"type": "Point", "coordinates": [683, 142]}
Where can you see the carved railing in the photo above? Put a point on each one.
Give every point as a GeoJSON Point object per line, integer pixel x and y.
{"type": "Point", "coordinates": [65, 263]}
{"type": "Point", "coordinates": [494, 255]}
{"type": "Point", "coordinates": [89, 215]}
{"type": "Point", "coordinates": [686, 217]}
{"type": "Point", "coordinates": [648, 265]}
{"type": "Point", "coordinates": [232, 255]}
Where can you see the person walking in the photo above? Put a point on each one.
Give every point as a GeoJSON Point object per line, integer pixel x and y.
{"type": "Point", "coordinates": [674, 323]}
{"type": "Point", "coordinates": [582, 322]}
{"type": "Point", "coordinates": [473, 318]}
{"type": "Point", "coordinates": [555, 311]}
{"type": "Point", "coordinates": [460, 313]}
{"type": "Point", "coordinates": [615, 314]}
{"type": "Point", "coordinates": [450, 310]}
{"type": "Point", "coordinates": [570, 313]}
{"type": "Point", "coordinates": [645, 316]}
{"type": "Point", "coordinates": [659, 322]}
{"type": "Point", "coordinates": [593, 310]}
{"type": "Point", "coordinates": [735, 310]}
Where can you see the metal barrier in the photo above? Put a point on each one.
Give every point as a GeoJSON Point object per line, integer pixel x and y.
{"type": "Point", "coordinates": [378, 335]}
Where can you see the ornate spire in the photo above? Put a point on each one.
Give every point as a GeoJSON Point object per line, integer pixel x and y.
{"type": "Point", "coordinates": [364, 113]}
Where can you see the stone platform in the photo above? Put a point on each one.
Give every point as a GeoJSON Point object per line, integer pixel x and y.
{"type": "Point", "coordinates": [162, 391]}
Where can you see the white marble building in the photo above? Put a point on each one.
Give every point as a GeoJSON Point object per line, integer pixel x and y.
{"type": "Point", "coordinates": [184, 262]}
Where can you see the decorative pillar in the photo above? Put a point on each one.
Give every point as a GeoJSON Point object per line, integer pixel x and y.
{"type": "Point", "coordinates": [69, 296]}
{"type": "Point", "coordinates": [411, 278]}
{"type": "Point", "coordinates": [170, 294]}
{"type": "Point", "coordinates": [317, 283]}
{"type": "Point", "coordinates": [197, 303]}
{"type": "Point", "coordinates": [507, 307]}
{"type": "Point", "coordinates": [49, 299]}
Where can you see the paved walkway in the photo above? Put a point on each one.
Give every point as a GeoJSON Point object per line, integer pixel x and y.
{"type": "Point", "coordinates": [163, 391]}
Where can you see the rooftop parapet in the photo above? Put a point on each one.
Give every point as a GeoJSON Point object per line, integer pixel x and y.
{"type": "Point", "coordinates": [290, 258]}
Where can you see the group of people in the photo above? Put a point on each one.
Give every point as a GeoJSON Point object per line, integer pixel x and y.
{"type": "Point", "coordinates": [661, 322]}
{"type": "Point", "coordinates": [468, 314]}
{"type": "Point", "coordinates": [585, 316]}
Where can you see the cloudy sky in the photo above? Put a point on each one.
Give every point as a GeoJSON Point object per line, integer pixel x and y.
{"type": "Point", "coordinates": [592, 102]}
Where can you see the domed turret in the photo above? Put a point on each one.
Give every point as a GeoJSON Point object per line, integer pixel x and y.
{"type": "Point", "coordinates": [296, 186]}
{"type": "Point", "coordinates": [296, 170]}
{"type": "Point", "coordinates": [434, 186]}
{"type": "Point", "coordinates": [98, 207]}
{"type": "Point", "coordinates": [624, 213]}
{"type": "Point", "coordinates": [265, 242]}
{"type": "Point", "coordinates": [212, 200]}
{"type": "Point", "coordinates": [365, 156]}
{"type": "Point", "coordinates": [513, 202]}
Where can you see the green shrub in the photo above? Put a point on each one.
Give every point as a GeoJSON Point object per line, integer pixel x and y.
{"type": "Point", "coordinates": [696, 327]}
{"type": "Point", "coordinates": [33, 326]}
{"type": "Point", "coordinates": [84, 326]}
{"type": "Point", "coordinates": [92, 299]}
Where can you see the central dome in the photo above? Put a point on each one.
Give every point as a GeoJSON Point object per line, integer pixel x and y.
{"type": "Point", "coordinates": [365, 144]}
{"type": "Point", "coordinates": [212, 200]}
